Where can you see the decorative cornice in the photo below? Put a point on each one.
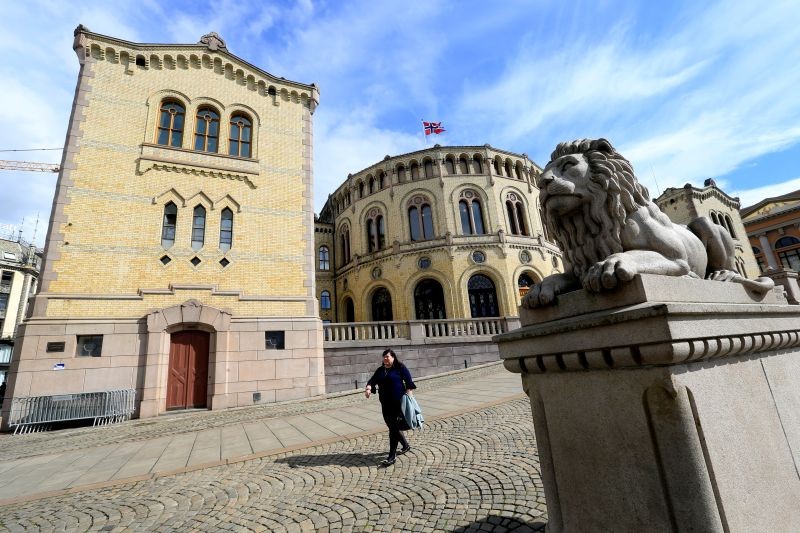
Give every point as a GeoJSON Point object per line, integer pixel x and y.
{"type": "Point", "coordinates": [153, 163]}
{"type": "Point", "coordinates": [657, 354]}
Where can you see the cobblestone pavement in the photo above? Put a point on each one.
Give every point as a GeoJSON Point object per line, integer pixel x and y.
{"type": "Point", "coordinates": [18, 446]}
{"type": "Point", "coordinates": [472, 472]}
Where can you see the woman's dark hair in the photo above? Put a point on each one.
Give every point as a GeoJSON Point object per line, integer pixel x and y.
{"type": "Point", "coordinates": [396, 363]}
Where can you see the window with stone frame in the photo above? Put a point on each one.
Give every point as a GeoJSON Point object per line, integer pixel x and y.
{"type": "Point", "coordinates": [171, 119]}
{"type": "Point", "coordinates": [169, 225]}
{"type": "Point", "coordinates": [344, 240]}
{"type": "Point", "coordinates": [788, 251]}
{"type": "Point", "coordinates": [198, 227]}
{"type": "Point", "coordinates": [206, 132]}
{"type": "Point", "coordinates": [324, 258]}
{"type": "Point", "coordinates": [89, 346]}
{"type": "Point", "coordinates": [240, 136]}
{"type": "Point", "coordinates": [325, 300]}
{"type": "Point", "coordinates": [226, 229]}
{"type": "Point", "coordinates": [376, 230]}
{"type": "Point", "coordinates": [515, 210]}
{"type": "Point", "coordinates": [420, 218]}
{"type": "Point", "coordinates": [471, 213]}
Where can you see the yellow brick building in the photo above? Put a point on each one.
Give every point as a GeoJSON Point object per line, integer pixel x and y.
{"type": "Point", "coordinates": [446, 232]}
{"type": "Point", "coordinates": [687, 203]}
{"type": "Point", "coordinates": [179, 260]}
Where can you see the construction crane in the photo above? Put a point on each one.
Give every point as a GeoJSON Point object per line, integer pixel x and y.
{"type": "Point", "coordinates": [28, 166]}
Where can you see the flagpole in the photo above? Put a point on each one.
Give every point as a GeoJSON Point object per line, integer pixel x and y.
{"type": "Point", "coordinates": [425, 137]}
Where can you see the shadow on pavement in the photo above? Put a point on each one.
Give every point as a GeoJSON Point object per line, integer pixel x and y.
{"type": "Point", "coordinates": [338, 459]}
{"type": "Point", "coordinates": [500, 523]}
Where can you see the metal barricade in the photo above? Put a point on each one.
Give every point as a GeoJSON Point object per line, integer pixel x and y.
{"type": "Point", "coordinates": [36, 413]}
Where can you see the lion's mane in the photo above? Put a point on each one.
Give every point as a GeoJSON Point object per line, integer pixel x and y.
{"type": "Point", "coordinates": [594, 234]}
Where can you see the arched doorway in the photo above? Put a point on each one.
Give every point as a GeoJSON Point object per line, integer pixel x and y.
{"type": "Point", "coordinates": [429, 300]}
{"type": "Point", "coordinates": [349, 310]}
{"type": "Point", "coordinates": [381, 305]}
{"type": "Point", "coordinates": [482, 297]}
{"type": "Point", "coordinates": [187, 381]}
{"type": "Point", "coordinates": [524, 283]}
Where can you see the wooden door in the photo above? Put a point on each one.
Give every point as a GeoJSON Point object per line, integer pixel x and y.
{"type": "Point", "coordinates": [188, 370]}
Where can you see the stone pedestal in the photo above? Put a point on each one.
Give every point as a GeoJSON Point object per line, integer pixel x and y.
{"type": "Point", "coordinates": [668, 405]}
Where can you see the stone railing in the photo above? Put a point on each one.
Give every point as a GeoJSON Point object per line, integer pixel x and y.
{"type": "Point", "coordinates": [417, 331]}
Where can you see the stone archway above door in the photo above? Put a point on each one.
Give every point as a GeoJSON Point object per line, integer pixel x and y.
{"type": "Point", "coordinates": [189, 312]}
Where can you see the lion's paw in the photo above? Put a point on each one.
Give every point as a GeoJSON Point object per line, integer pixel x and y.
{"type": "Point", "coordinates": [607, 274]}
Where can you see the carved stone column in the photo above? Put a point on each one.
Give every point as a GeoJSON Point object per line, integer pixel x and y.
{"type": "Point", "coordinates": [670, 404]}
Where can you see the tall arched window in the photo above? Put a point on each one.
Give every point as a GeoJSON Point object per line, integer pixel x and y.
{"type": "Point", "coordinates": [361, 189]}
{"type": "Point", "coordinates": [414, 171]}
{"type": "Point", "coordinates": [376, 231]}
{"type": "Point", "coordinates": [518, 170]}
{"type": "Point", "coordinates": [325, 300]}
{"type": "Point", "coordinates": [477, 166]}
{"type": "Point", "coordinates": [516, 215]}
{"type": "Point", "coordinates": [401, 173]}
{"type": "Point", "coordinates": [382, 305]}
{"type": "Point", "coordinates": [344, 239]}
{"type": "Point", "coordinates": [381, 179]}
{"type": "Point", "coordinates": [371, 185]}
{"type": "Point", "coordinates": [206, 133]}
{"type": "Point", "coordinates": [482, 297]}
{"type": "Point", "coordinates": [324, 258]}
{"type": "Point", "coordinates": [449, 165]}
{"type": "Point", "coordinates": [729, 225]}
{"type": "Point", "coordinates": [240, 138]}
{"type": "Point", "coordinates": [198, 227]}
{"type": "Point", "coordinates": [469, 208]}
{"type": "Point", "coordinates": [508, 168]}
{"type": "Point", "coordinates": [169, 224]}
{"type": "Point", "coordinates": [497, 166]}
{"type": "Point", "coordinates": [429, 300]}
{"type": "Point", "coordinates": [428, 167]}
{"type": "Point", "coordinates": [170, 124]}
{"type": "Point", "coordinates": [225, 230]}
{"type": "Point", "coordinates": [463, 166]}
{"type": "Point", "coordinates": [420, 219]}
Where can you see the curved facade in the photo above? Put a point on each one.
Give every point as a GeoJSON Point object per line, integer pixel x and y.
{"type": "Point", "coordinates": [446, 232]}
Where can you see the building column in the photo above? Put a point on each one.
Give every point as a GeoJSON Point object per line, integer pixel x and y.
{"type": "Point", "coordinates": [768, 252]}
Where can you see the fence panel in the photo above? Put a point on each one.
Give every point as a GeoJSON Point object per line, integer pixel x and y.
{"type": "Point", "coordinates": [37, 413]}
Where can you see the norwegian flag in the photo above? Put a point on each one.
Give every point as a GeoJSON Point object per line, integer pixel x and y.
{"type": "Point", "coordinates": [433, 127]}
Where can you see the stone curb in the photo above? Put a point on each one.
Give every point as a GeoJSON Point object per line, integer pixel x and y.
{"type": "Point", "coordinates": [249, 457]}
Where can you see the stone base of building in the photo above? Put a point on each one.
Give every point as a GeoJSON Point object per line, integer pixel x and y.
{"type": "Point", "coordinates": [669, 405]}
{"type": "Point", "coordinates": [250, 360]}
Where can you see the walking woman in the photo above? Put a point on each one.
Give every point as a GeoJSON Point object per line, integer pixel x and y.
{"type": "Point", "coordinates": [393, 380]}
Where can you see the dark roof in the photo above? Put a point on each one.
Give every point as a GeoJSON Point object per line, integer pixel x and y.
{"type": "Point", "coordinates": [794, 195]}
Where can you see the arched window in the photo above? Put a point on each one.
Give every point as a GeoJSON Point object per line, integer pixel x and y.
{"type": "Point", "coordinates": [414, 171]}
{"type": "Point", "coordinates": [429, 300]}
{"type": "Point", "coordinates": [376, 231]}
{"type": "Point", "coordinates": [206, 133]}
{"type": "Point", "coordinates": [325, 300]}
{"type": "Point", "coordinates": [516, 215]}
{"type": "Point", "coordinates": [170, 124]}
{"type": "Point", "coordinates": [714, 218]}
{"type": "Point", "coordinates": [469, 208]}
{"type": "Point", "coordinates": [428, 167]}
{"type": "Point", "coordinates": [324, 258]}
{"type": "Point", "coordinates": [463, 165]}
{"type": "Point", "coordinates": [198, 227]}
{"type": "Point", "coordinates": [349, 310]}
{"type": "Point", "coordinates": [382, 180]}
{"type": "Point", "coordinates": [420, 219]}
{"type": "Point", "coordinates": [518, 170]}
{"type": "Point", "coordinates": [401, 173]}
{"type": "Point", "coordinates": [241, 135]}
{"type": "Point", "coordinates": [524, 283]}
{"type": "Point", "coordinates": [508, 168]}
{"type": "Point", "coordinates": [477, 167]}
{"type": "Point", "coordinates": [450, 167]}
{"type": "Point", "coordinates": [729, 225]}
{"type": "Point", "coordinates": [497, 166]}
{"type": "Point", "coordinates": [225, 230]}
{"type": "Point", "coordinates": [361, 189]}
{"type": "Point", "coordinates": [482, 297]}
{"type": "Point", "coordinates": [169, 224]}
{"type": "Point", "coordinates": [788, 250]}
{"type": "Point", "coordinates": [344, 239]}
{"type": "Point", "coordinates": [371, 185]}
{"type": "Point", "coordinates": [347, 198]}
{"type": "Point", "coordinates": [382, 305]}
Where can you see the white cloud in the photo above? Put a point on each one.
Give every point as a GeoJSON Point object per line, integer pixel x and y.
{"type": "Point", "coordinates": [748, 197]}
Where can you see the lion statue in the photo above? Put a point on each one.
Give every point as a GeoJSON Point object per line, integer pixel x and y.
{"type": "Point", "coordinates": [610, 231]}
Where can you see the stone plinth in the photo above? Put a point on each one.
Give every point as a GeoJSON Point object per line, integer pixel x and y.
{"type": "Point", "coordinates": [668, 405]}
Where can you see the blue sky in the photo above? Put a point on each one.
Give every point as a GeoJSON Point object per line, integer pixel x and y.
{"type": "Point", "coordinates": [685, 90]}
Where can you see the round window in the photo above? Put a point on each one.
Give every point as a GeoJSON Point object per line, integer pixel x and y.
{"type": "Point", "coordinates": [525, 256]}
{"type": "Point", "coordinates": [478, 256]}
{"type": "Point", "coordinates": [424, 262]}
{"type": "Point", "coordinates": [376, 273]}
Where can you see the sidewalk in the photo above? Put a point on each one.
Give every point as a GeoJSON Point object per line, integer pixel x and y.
{"type": "Point", "coordinates": [176, 443]}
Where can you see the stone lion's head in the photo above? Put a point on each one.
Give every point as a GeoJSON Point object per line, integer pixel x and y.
{"type": "Point", "coordinates": [588, 191]}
